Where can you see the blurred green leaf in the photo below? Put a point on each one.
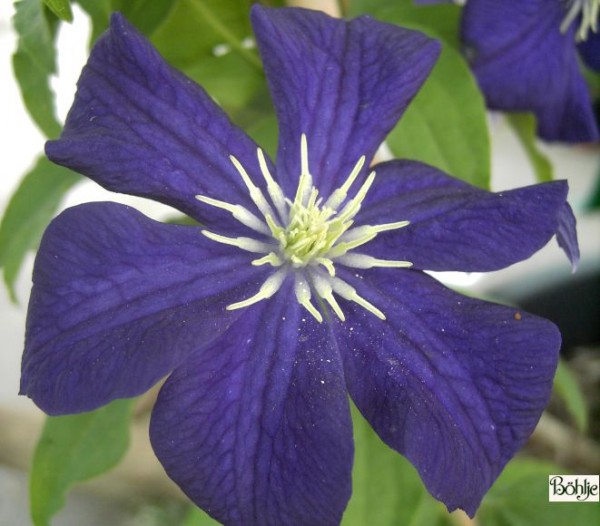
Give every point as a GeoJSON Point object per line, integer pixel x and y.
{"type": "Point", "coordinates": [199, 26]}
{"type": "Point", "coordinates": [446, 124]}
{"type": "Point", "coordinates": [524, 125]}
{"type": "Point", "coordinates": [99, 13]}
{"type": "Point", "coordinates": [441, 20]}
{"type": "Point", "coordinates": [387, 490]}
{"type": "Point", "coordinates": [37, 95]}
{"type": "Point", "coordinates": [212, 42]}
{"type": "Point", "coordinates": [520, 498]}
{"type": "Point", "coordinates": [61, 8]}
{"type": "Point", "coordinates": [33, 63]}
{"type": "Point", "coordinates": [30, 209]}
{"type": "Point", "coordinates": [567, 388]}
{"type": "Point", "coordinates": [146, 15]}
{"type": "Point", "coordinates": [197, 517]}
{"type": "Point", "coordinates": [75, 448]}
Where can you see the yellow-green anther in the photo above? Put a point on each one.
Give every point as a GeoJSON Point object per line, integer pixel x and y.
{"type": "Point", "coordinates": [275, 229]}
{"type": "Point", "coordinates": [267, 289]}
{"type": "Point", "coordinates": [328, 264]}
{"type": "Point", "coordinates": [307, 237]}
{"type": "Point", "coordinates": [269, 259]}
{"type": "Point", "coordinates": [245, 243]}
{"type": "Point", "coordinates": [240, 213]}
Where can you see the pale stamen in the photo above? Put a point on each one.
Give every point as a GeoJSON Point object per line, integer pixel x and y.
{"type": "Point", "coordinates": [325, 290]}
{"type": "Point", "coordinates": [245, 243]}
{"type": "Point", "coordinates": [363, 261]}
{"type": "Point", "coordinates": [267, 289]}
{"type": "Point", "coordinates": [349, 293]}
{"type": "Point", "coordinates": [255, 193]}
{"type": "Point", "coordinates": [588, 10]}
{"type": "Point", "coordinates": [273, 188]}
{"type": "Point", "coordinates": [240, 213]}
{"type": "Point", "coordinates": [339, 194]}
{"type": "Point", "coordinates": [303, 295]}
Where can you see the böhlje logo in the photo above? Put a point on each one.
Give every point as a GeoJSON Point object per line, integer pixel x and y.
{"type": "Point", "coordinates": [573, 488]}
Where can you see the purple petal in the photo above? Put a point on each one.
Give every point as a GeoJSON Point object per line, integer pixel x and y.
{"type": "Point", "coordinates": [456, 226]}
{"type": "Point", "coordinates": [455, 384]}
{"type": "Point", "coordinates": [343, 84]}
{"type": "Point", "coordinates": [139, 127]}
{"type": "Point", "coordinates": [590, 51]}
{"type": "Point", "coordinates": [566, 235]}
{"type": "Point", "coordinates": [523, 62]}
{"type": "Point", "coordinates": [256, 429]}
{"type": "Point", "coordinates": [119, 300]}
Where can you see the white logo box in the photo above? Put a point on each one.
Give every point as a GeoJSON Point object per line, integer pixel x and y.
{"type": "Point", "coordinates": [573, 488]}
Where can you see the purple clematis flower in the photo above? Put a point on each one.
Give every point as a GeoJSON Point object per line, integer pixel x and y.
{"type": "Point", "coordinates": [304, 282]}
{"type": "Point", "coordinates": [525, 56]}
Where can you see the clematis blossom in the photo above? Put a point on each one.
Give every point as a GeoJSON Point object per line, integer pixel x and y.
{"type": "Point", "coordinates": [304, 282]}
{"type": "Point", "coordinates": [526, 57]}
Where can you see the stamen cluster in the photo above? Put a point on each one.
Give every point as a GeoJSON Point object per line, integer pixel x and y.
{"type": "Point", "coordinates": [306, 237]}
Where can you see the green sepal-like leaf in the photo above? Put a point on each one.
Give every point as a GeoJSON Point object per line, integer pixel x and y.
{"type": "Point", "coordinates": [446, 124]}
{"type": "Point", "coordinates": [34, 61]}
{"type": "Point", "coordinates": [61, 8]}
{"type": "Point", "coordinates": [524, 125]}
{"type": "Point", "coordinates": [387, 490]}
{"type": "Point", "coordinates": [520, 498]}
{"type": "Point", "coordinates": [75, 448]}
{"type": "Point", "coordinates": [567, 388]}
{"type": "Point", "coordinates": [30, 209]}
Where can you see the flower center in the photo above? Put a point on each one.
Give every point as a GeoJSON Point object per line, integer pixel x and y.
{"type": "Point", "coordinates": [588, 10]}
{"type": "Point", "coordinates": [306, 236]}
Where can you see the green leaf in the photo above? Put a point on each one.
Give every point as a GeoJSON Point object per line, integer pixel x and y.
{"type": "Point", "coordinates": [387, 490]}
{"type": "Point", "coordinates": [99, 13]}
{"type": "Point", "coordinates": [524, 125]}
{"type": "Point", "coordinates": [195, 27]}
{"type": "Point", "coordinates": [29, 211]}
{"type": "Point", "coordinates": [146, 15]}
{"type": "Point", "coordinates": [520, 498]}
{"type": "Point", "coordinates": [61, 8]}
{"type": "Point", "coordinates": [567, 388]}
{"type": "Point", "coordinates": [33, 63]}
{"type": "Point", "coordinates": [446, 124]}
{"type": "Point", "coordinates": [75, 448]}
{"type": "Point", "coordinates": [212, 42]}
{"type": "Point", "coordinates": [197, 517]}
{"type": "Point", "coordinates": [437, 20]}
